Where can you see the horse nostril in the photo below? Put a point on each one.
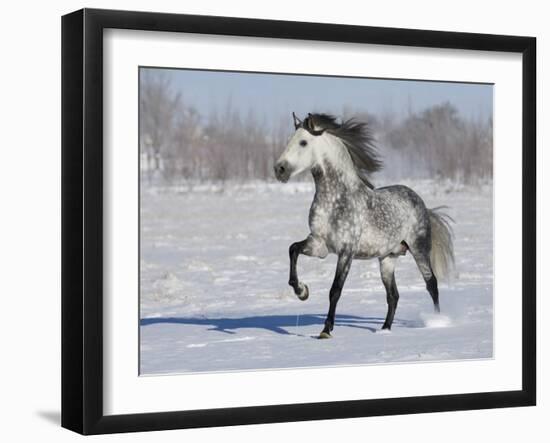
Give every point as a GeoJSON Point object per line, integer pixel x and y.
{"type": "Point", "coordinates": [282, 171]}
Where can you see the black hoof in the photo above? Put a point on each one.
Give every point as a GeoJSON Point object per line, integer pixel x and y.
{"type": "Point", "coordinates": [385, 326]}
{"type": "Point", "coordinates": [303, 292]}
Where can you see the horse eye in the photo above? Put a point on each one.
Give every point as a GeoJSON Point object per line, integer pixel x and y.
{"type": "Point", "coordinates": [303, 143]}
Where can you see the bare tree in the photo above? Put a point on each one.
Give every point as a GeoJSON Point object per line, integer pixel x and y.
{"type": "Point", "coordinates": [440, 143]}
{"type": "Point", "coordinates": [158, 104]}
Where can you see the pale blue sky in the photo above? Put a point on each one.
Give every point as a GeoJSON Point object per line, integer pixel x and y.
{"type": "Point", "coordinates": [266, 94]}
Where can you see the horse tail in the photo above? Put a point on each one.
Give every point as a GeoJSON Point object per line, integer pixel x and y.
{"type": "Point", "coordinates": [442, 255]}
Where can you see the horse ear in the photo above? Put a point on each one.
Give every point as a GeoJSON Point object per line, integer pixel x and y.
{"type": "Point", "coordinates": [297, 121]}
{"type": "Point", "coordinates": [310, 123]}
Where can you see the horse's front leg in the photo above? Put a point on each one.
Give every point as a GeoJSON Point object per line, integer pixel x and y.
{"type": "Point", "coordinates": [312, 246]}
{"type": "Point", "coordinates": [342, 268]}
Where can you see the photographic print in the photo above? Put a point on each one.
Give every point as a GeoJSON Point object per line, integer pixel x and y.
{"type": "Point", "coordinates": [234, 216]}
{"type": "Point", "coordinates": [304, 221]}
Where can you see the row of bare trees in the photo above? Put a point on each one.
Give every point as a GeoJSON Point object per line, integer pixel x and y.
{"type": "Point", "coordinates": [178, 144]}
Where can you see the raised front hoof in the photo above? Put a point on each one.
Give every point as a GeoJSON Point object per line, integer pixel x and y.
{"type": "Point", "coordinates": [324, 335]}
{"type": "Point", "coordinates": [303, 292]}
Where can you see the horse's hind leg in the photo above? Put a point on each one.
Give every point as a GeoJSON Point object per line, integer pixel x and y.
{"type": "Point", "coordinates": [387, 271]}
{"type": "Point", "coordinates": [422, 259]}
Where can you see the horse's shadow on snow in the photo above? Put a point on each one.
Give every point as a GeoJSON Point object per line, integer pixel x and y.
{"type": "Point", "coordinates": [276, 323]}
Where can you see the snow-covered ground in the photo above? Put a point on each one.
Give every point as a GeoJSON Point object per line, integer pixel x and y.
{"type": "Point", "coordinates": [214, 293]}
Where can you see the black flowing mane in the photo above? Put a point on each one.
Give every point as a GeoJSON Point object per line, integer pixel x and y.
{"type": "Point", "coordinates": [357, 138]}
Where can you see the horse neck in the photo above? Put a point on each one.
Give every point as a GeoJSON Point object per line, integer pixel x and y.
{"type": "Point", "coordinates": [334, 171]}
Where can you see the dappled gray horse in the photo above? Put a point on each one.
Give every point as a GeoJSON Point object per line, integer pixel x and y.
{"type": "Point", "coordinates": [352, 219]}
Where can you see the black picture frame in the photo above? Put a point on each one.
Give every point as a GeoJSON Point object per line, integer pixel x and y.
{"type": "Point", "coordinates": [82, 220]}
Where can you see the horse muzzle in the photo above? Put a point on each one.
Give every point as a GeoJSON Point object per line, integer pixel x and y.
{"type": "Point", "coordinates": [283, 171]}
